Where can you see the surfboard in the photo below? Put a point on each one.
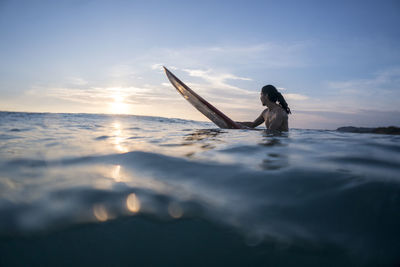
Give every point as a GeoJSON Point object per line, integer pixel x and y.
{"type": "Point", "coordinates": [208, 110]}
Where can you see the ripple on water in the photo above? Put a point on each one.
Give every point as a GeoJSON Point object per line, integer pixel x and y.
{"type": "Point", "coordinates": [303, 187]}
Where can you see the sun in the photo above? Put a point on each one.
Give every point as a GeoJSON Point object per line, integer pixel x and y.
{"type": "Point", "coordinates": [118, 106]}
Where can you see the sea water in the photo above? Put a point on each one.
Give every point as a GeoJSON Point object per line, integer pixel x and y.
{"type": "Point", "coordinates": [114, 190]}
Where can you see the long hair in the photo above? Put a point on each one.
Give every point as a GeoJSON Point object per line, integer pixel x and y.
{"type": "Point", "coordinates": [273, 95]}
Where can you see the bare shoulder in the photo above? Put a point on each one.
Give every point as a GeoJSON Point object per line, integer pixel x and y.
{"type": "Point", "coordinates": [283, 113]}
{"type": "Point", "coordinates": [264, 112]}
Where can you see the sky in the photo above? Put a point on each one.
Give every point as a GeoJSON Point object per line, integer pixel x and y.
{"type": "Point", "coordinates": [337, 63]}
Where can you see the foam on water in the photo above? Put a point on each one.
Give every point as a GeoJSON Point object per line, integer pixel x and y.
{"type": "Point", "coordinates": [309, 187]}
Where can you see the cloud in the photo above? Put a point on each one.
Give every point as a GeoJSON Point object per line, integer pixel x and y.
{"type": "Point", "coordinates": [241, 49]}
{"type": "Point", "coordinates": [295, 97]}
{"type": "Point", "coordinates": [247, 56]}
{"type": "Point", "coordinates": [368, 102]}
{"type": "Point", "coordinates": [77, 81]}
{"type": "Point", "coordinates": [217, 81]}
{"type": "Point", "coordinates": [137, 100]}
{"type": "Point", "coordinates": [100, 95]}
{"type": "Point", "coordinates": [229, 98]}
{"type": "Point", "coordinates": [212, 71]}
{"type": "Point", "coordinates": [333, 120]}
{"type": "Point", "coordinates": [267, 55]}
{"type": "Point", "coordinates": [157, 66]}
{"type": "Point", "coordinates": [381, 92]}
{"type": "Point", "coordinates": [208, 76]}
{"type": "Point", "coordinates": [121, 70]}
{"type": "Point", "coordinates": [229, 77]}
{"type": "Point", "coordinates": [384, 81]}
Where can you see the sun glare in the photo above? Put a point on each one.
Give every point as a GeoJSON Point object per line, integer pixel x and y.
{"type": "Point", "coordinates": [119, 106]}
{"type": "Point", "coordinates": [118, 138]}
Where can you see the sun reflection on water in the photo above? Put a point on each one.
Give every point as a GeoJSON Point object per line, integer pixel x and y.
{"type": "Point", "coordinates": [116, 173]}
{"type": "Point", "coordinates": [118, 138]}
{"type": "Point", "coordinates": [100, 213]}
{"type": "Point", "coordinates": [175, 210]}
{"type": "Point", "coordinates": [133, 203]}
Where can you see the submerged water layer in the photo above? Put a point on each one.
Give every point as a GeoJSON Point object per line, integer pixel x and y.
{"type": "Point", "coordinates": [311, 195]}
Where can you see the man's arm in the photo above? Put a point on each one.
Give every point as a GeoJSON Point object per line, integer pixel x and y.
{"type": "Point", "coordinates": [255, 123]}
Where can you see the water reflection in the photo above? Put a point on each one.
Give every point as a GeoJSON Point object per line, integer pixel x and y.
{"type": "Point", "coordinates": [100, 213]}
{"type": "Point", "coordinates": [272, 138]}
{"type": "Point", "coordinates": [277, 156]}
{"type": "Point", "coordinates": [270, 142]}
{"type": "Point", "coordinates": [275, 161]}
{"type": "Point", "coordinates": [133, 203]}
{"type": "Point", "coordinates": [204, 139]}
{"type": "Point", "coordinates": [175, 210]}
{"type": "Point", "coordinates": [204, 134]}
{"type": "Point", "coordinates": [118, 138]}
{"type": "Point", "coordinates": [116, 173]}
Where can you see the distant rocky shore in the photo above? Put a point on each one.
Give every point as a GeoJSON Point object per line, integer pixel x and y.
{"type": "Point", "coordinates": [378, 130]}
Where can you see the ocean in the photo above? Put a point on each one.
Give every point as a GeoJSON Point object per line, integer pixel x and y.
{"type": "Point", "coordinates": [119, 190]}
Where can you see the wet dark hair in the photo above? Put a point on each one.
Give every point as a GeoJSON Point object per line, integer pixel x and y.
{"type": "Point", "coordinates": [273, 95]}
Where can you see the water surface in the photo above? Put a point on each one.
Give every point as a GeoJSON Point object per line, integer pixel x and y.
{"type": "Point", "coordinates": [186, 193]}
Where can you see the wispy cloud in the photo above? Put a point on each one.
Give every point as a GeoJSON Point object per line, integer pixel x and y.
{"type": "Point", "coordinates": [157, 66]}
{"type": "Point", "coordinates": [219, 77]}
{"type": "Point", "coordinates": [217, 81]}
{"type": "Point", "coordinates": [251, 56]}
{"type": "Point", "coordinates": [299, 97]}
{"type": "Point", "coordinates": [335, 119]}
{"type": "Point", "coordinates": [145, 100]}
{"type": "Point", "coordinates": [89, 96]}
{"type": "Point", "coordinates": [121, 70]}
{"type": "Point", "coordinates": [368, 102]}
{"type": "Point", "coordinates": [77, 81]}
{"type": "Point", "coordinates": [384, 81]}
{"type": "Point", "coordinates": [229, 78]}
{"type": "Point", "coordinates": [212, 71]}
{"type": "Point", "coordinates": [380, 92]}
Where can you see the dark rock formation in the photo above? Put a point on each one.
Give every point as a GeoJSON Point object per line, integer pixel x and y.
{"type": "Point", "coordinates": [378, 130]}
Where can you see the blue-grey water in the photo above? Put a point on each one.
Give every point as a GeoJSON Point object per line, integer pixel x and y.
{"type": "Point", "coordinates": [113, 190]}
